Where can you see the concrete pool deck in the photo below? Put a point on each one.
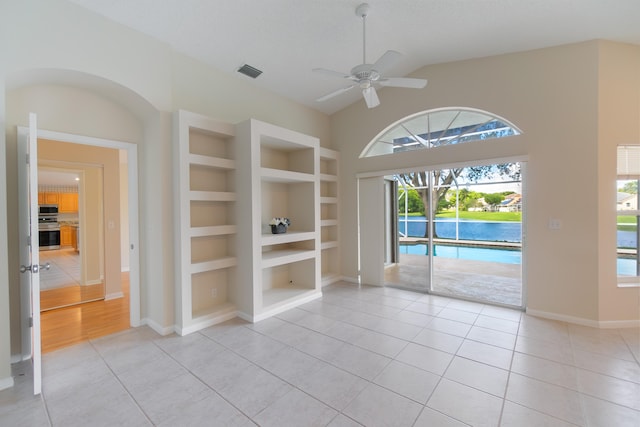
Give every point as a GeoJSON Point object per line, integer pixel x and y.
{"type": "Point", "coordinates": [478, 280]}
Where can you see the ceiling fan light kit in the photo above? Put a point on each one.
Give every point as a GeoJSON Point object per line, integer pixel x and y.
{"type": "Point", "coordinates": [366, 76]}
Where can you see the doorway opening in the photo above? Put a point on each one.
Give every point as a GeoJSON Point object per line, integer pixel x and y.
{"type": "Point", "coordinates": [106, 298]}
{"type": "Point", "coordinates": [457, 232]}
{"type": "Point", "coordinates": [76, 272]}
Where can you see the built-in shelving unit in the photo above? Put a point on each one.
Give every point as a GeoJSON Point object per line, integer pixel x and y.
{"type": "Point", "coordinates": [329, 224]}
{"type": "Point", "coordinates": [280, 178]}
{"type": "Point", "coordinates": [206, 220]}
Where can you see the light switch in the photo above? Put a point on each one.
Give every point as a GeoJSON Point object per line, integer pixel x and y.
{"type": "Point", "coordinates": [555, 224]}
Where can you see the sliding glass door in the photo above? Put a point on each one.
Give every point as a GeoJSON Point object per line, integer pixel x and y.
{"type": "Point", "coordinates": [460, 233]}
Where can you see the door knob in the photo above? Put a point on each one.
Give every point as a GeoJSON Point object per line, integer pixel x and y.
{"type": "Point", "coordinates": [34, 268]}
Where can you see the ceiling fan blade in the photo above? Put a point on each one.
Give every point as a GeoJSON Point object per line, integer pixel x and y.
{"type": "Point", "coordinates": [331, 73]}
{"type": "Point", "coordinates": [403, 82]}
{"type": "Point", "coordinates": [386, 61]}
{"type": "Point", "coordinates": [370, 97]}
{"type": "Point", "coordinates": [335, 93]}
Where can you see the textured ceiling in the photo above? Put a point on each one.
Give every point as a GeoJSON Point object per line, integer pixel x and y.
{"type": "Point", "coordinates": [286, 39]}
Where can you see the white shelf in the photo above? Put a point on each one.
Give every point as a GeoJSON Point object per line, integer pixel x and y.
{"type": "Point", "coordinates": [276, 296]}
{"type": "Point", "coordinates": [212, 196]}
{"type": "Point", "coordinates": [288, 237]}
{"type": "Point", "coordinates": [329, 244]}
{"type": "Point", "coordinates": [285, 256]}
{"type": "Point", "coordinates": [279, 175]}
{"type": "Point", "coordinates": [328, 177]}
{"type": "Point", "coordinates": [215, 264]}
{"type": "Point", "coordinates": [205, 263]}
{"type": "Point", "coordinates": [329, 222]}
{"type": "Point", "coordinates": [329, 200]}
{"type": "Point", "coordinates": [213, 162]}
{"type": "Point", "coordinates": [217, 230]}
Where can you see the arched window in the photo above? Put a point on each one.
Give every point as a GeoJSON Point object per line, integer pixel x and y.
{"type": "Point", "coordinates": [435, 128]}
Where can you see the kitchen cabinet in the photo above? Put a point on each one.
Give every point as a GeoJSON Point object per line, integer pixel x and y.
{"type": "Point", "coordinates": [48, 198]}
{"type": "Point", "coordinates": [67, 235]}
{"type": "Point", "coordinates": [68, 202]}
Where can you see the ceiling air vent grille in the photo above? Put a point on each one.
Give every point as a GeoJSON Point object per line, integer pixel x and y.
{"type": "Point", "coordinates": [250, 71]}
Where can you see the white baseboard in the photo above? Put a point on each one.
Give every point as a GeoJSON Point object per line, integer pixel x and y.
{"type": "Point", "coordinates": [605, 324]}
{"type": "Point", "coordinates": [162, 330]}
{"type": "Point", "coordinates": [6, 383]}
{"type": "Point", "coordinates": [350, 279]}
{"type": "Point", "coordinates": [205, 323]}
{"type": "Point", "coordinates": [114, 295]}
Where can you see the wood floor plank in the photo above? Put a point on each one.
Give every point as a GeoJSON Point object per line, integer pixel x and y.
{"type": "Point", "coordinates": [74, 324]}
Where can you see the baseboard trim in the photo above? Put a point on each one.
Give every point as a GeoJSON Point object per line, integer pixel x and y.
{"type": "Point", "coordinates": [6, 383]}
{"type": "Point", "coordinates": [114, 295]}
{"type": "Point", "coordinates": [162, 330]}
{"type": "Point", "coordinates": [605, 324]}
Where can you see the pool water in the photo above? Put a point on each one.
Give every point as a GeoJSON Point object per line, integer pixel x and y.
{"type": "Point", "coordinates": [507, 256]}
{"type": "Point", "coordinates": [626, 267]}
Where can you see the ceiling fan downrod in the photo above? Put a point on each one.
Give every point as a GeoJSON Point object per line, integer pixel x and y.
{"type": "Point", "coordinates": [362, 11]}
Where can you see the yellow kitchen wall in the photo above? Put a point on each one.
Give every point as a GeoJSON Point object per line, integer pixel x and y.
{"type": "Point", "coordinates": [555, 97]}
{"type": "Point", "coordinates": [86, 75]}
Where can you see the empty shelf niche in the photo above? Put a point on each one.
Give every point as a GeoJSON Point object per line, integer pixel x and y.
{"type": "Point", "coordinates": [210, 293]}
{"type": "Point", "coordinates": [204, 143]}
{"type": "Point", "coordinates": [328, 211]}
{"type": "Point", "coordinates": [330, 261]}
{"type": "Point", "coordinates": [283, 282]}
{"type": "Point", "coordinates": [287, 157]}
{"type": "Point", "coordinates": [211, 214]}
{"type": "Point", "coordinates": [213, 252]}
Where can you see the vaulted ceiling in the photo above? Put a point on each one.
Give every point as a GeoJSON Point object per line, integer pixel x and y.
{"type": "Point", "coordinates": [286, 39]}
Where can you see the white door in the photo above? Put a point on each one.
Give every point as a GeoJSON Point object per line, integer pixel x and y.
{"type": "Point", "coordinates": [29, 248]}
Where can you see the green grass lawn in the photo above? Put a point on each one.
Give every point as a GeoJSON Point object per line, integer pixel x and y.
{"type": "Point", "coordinates": [483, 216]}
{"type": "Point", "coordinates": [627, 219]}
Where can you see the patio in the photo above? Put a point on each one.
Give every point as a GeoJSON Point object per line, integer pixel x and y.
{"type": "Point", "coordinates": [492, 282]}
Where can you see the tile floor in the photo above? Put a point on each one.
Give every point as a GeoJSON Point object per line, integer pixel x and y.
{"type": "Point", "coordinates": [64, 270]}
{"type": "Point", "coordinates": [372, 357]}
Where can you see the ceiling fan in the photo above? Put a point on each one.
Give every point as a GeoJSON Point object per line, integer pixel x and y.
{"type": "Point", "coordinates": [366, 76]}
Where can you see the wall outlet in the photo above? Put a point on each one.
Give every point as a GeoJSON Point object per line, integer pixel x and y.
{"type": "Point", "coordinates": [214, 293]}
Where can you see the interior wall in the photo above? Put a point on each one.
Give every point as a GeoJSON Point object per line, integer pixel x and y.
{"type": "Point", "coordinates": [552, 96]}
{"type": "Point", "coordinates": [618, 123]}
{"type": "Point", "coordinates": [79, 114]}
{"type": "Point", "coordinates": [104, 80]}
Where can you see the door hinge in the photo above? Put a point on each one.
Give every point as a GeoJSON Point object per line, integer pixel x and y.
{"type": "Point", "coordinates": [28, 158]}
{"type": "Point", "coordinates": [31, 322]}
{"type": "Point", "coordinates": [29, 241]}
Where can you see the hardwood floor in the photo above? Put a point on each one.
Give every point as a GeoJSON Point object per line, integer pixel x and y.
{"type": "Point", "coordinates": [70, 295]}
{"type": "Point", "coordinates": [71, 325]}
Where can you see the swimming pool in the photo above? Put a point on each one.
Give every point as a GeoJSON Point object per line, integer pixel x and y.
{"type": "Point", "coordinates": [475, 253]}
{"type": "Point", "coordinates": [626, 267]}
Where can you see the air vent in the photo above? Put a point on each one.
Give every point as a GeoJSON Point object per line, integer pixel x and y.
{"type": "Point", "coordinates": [250, 71]}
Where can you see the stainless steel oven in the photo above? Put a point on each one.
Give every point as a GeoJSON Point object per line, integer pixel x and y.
{"type": "Point", "coordinates": [48, 227]}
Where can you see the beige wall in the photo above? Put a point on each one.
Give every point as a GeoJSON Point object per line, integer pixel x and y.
{"type": "Point", "coordinates": [553, 96]}
{"type": "Point", "coordinates": [87, 76]}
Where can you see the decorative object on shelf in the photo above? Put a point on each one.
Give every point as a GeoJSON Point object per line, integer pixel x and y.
{"type": "Point", "coordinates": [279, 225]}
